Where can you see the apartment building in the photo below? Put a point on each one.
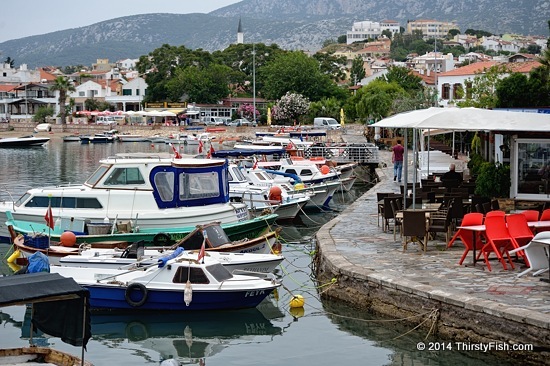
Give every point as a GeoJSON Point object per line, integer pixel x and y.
{"type": "Point", "coordinates": [431, 28]}
{"type": "Point", "coordinates": [365, 30]}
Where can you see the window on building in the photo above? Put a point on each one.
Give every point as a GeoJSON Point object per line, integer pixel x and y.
{"type": "Point", "coordinates": [81, 94]}
{"type": "Point", "coordinates": [445, 91]}
{"type": "Point", "coordinates": [533, 167]}
{"type": "Point", "coordinates": [458, 91]}
{"type": "Point", "coordinates": [468, 89]}
{"type": "Point", "coordinates": [126, 91]}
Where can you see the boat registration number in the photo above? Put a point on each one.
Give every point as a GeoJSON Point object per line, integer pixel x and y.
{"type": "Point", "coordinates": [242, 213]}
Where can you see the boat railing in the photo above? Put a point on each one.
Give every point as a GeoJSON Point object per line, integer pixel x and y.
{"type": "Point", "coordinates": [247, 197]}
{"type": "Point", "coordinates": [130, 156]}
{"type": "Point", "coordinates": [7, 196]}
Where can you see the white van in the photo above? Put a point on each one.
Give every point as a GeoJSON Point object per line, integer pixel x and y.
{"type": "Point", "coordinates": [326, 122]}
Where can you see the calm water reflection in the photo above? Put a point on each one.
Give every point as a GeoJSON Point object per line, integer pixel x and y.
{"type": "Point", "coordinates": [322, 333]}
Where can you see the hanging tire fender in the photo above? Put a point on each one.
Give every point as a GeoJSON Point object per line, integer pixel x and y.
{"type": "Point", "coordinates": [136, 287]}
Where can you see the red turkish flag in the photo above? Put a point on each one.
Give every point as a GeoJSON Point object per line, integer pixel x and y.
{"type": "Point", "coordinates": [49, 218]}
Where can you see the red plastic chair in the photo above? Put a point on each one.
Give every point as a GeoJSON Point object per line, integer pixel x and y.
{"type": "Point", "coordinates": [531, 215]}
{"type": "Point", "coordinates": [520, 232]}
{"type": "Point", "coordinates": [467, 238]}
{"type": "Point", "coordinates": [495, 213]}
{"type": "Point", "coordinates": [499, 241]}
{"type": "Point", "coordinates": [545, 215]}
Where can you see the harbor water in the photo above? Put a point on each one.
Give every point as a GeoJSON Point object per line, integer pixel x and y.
{"type": "Point", "coordinates": [320, 333]}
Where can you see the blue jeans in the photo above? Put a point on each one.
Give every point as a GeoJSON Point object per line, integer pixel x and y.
{"type": "Point", "coordinates": [397, 168]}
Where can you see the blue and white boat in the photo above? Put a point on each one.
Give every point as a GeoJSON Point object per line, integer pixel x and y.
{"type": "Point", "coordinates": [152, 191]}
{"type": "Point", "coordinates": [183, 283]}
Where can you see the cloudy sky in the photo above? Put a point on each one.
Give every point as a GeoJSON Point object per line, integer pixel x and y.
{"type": "Point", "coordinates": [32, 17]}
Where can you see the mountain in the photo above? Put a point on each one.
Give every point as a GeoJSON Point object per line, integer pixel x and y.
{"type": "Point", "coordinates": [292, 24]}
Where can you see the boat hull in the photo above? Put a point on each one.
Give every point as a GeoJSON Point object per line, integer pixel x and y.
{"type": "Point", "coordinates": [110, 297]}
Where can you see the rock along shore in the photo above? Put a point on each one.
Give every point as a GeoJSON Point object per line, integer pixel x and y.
{"type": "Point", "coordinates": [455, 303]}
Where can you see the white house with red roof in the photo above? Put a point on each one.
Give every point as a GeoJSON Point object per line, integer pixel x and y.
{"type": "Point", "coordinates": [455, 85]}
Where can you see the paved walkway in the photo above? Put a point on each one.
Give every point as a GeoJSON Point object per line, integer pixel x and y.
{"type": "Point", "coordinates": [359, 241]}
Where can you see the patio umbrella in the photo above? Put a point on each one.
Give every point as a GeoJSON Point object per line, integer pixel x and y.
{"type": "Point", "coordinates": [342, 117]}
{"type": "Point", "coordinates": [268, 116]}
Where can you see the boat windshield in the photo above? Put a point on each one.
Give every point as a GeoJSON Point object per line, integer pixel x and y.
{"type": "Point", "coordinates": [219, 272]}
{"type": "Point", "coordinates": [22, 199]}
{"type": "Point", "coordinates": [94, 178]}
{"type": "Point", "coordinates": [236, 175]}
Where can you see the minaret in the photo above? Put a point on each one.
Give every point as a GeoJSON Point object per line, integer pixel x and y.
{"type": "Point", "coordinates": [240, 35]}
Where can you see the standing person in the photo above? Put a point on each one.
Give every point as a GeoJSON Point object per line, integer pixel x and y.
{"type": "Point", "coordinates": [397, 160]}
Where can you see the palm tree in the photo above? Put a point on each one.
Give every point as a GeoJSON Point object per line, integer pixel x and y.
{"type": "Point", "coordinates": [63, 85]}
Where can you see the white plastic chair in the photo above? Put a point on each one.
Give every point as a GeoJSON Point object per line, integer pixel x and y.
{"type": "Point", "coordinates": [536, 253]}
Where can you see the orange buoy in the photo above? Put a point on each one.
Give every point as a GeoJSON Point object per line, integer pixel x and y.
{"type": "Point", "coordinates": [325, 169]}
{"type": "Point", "coordinates": [275, 194]}
{"type": "Point", "coordinates": [67, 239]}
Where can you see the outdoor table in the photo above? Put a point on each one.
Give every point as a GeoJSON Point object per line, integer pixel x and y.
{"type": "Point", "coordinates": [534, 225]}
{"type": "Point", "coordinates": [547, 243]}
{"type": "Point", "coordinates": [474, 229]}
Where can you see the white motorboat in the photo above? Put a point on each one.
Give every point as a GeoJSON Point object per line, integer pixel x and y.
{"type": "Point", "coordinates": [151, 190]}
{"type": "Point", "coordinates": [182, 283]}
{"type": "Point", "coordinates": [131, 138]}
{"type": "Point", "coordinates": [113, 258]}
{"type": "Point", "coordinates": [24, 141]}
{"type": "Point", "coordinates": [261, 198]}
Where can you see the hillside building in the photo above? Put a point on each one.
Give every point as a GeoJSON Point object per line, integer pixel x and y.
{"type": "Point", "coordinates": [431, 28]}
{"type": "Point", "coordinates": [365, 30]}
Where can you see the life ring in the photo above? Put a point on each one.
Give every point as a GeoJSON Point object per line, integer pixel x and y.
{"type": "Point", "coordinates": [135, 287]}
{"type": "Point", "coordinates": [161, 239]}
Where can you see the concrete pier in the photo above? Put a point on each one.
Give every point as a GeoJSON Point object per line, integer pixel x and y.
{"type": "Point", "coordinates": [454, 302]}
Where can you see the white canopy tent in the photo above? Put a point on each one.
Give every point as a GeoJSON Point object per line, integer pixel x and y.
{"type": "Point", "coordinates": [468, 119]}
{"type": "Point", "coordinates": [464, 119]}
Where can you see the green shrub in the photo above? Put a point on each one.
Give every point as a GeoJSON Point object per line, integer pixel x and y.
{"type": "Point", "coordinates": [493, 180]}
{"type": "Point", "coordinates": [474, 164]}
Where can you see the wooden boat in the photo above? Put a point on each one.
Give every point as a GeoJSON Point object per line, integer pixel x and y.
{"type": "Point", "coordinates": [180, 284]}
{"type": "Point", "coordinates": [24, 141]}
{"type": "Point", "coordinates": [60, 308]}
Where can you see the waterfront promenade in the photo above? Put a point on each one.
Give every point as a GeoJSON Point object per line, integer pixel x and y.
{"type": "Point", "coordinates": [463, 303]}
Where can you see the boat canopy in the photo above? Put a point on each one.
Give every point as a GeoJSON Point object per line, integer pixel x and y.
{"type": "Point", "coordinates": [190, 185]}
{"type": "Point", "coordinates": [59, 304]}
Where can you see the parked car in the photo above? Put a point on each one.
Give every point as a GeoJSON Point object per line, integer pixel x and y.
{"type": "Point", "coordinates": [106, 120]}
{"type": "Point", "coordinates": [213, 121]}
{"type": "Point", "coordinates": [43, 127]}
{"type": "Point", "coordinates": [242, 122]}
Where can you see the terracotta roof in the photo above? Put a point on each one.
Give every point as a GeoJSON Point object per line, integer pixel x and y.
{"type": "Point", "coordinates": [7, 87]}
{"type": "Point", "coordinates": [46, 75]}
{"type": "Point", "coordinates": [427, 79]}
{"type": "Point", "coordinates": [478, 67]}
